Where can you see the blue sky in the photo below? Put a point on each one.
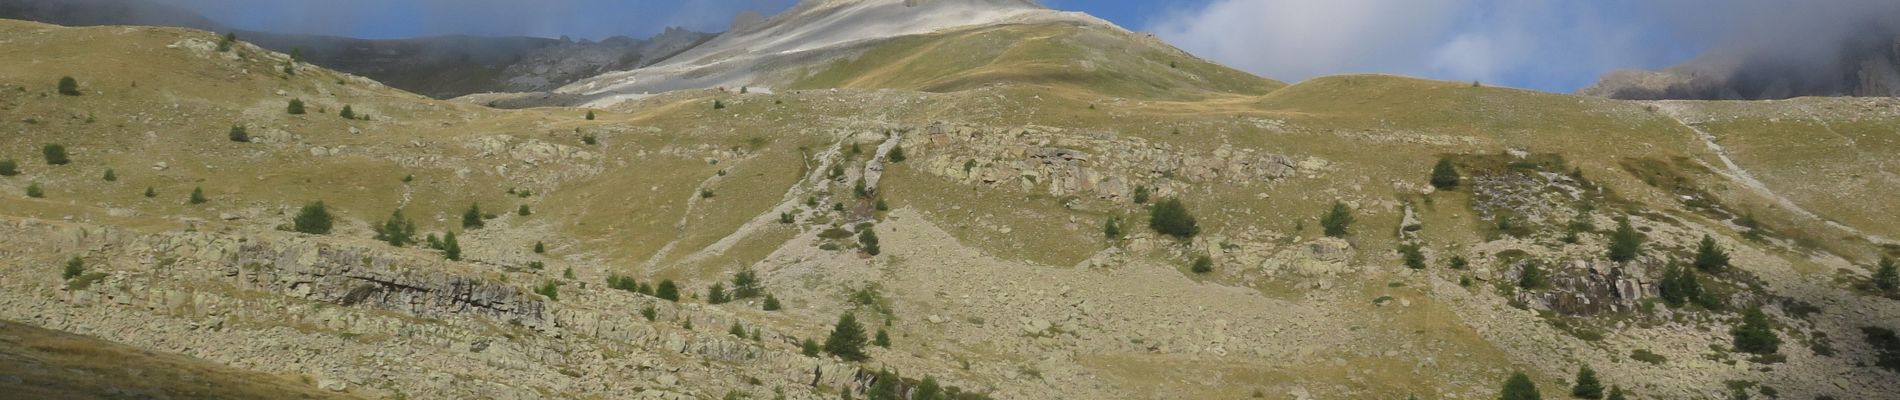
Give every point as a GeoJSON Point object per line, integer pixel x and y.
{"type": "Point", "coordinates": [1550, 45]}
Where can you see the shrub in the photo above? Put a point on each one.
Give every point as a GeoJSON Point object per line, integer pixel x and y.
{"type": "Point", "coordinates": [847, 339]}
{"type": "Point", "coordinates": [540, 248]}
{"type": "Point", "coordinates": [1626, 243]}
{"type": "Point", "coordinates": [1616, 393]}
{"type": "Point", "coordinates": [150, 192]}
{"type": "Point", "coordinates": [1709, 257]}
{"type": "Point", "coordinates": [809, 348]}
{"type": "Point", "coordinates": [737, 329]}
{"type": "Point", "coordinates": [746, 285]}
{"type": "Point", "coordinates": [706, 193]}
{"type": "Point", "coordinates": [786, 218]}
{"type": "Point", "coordinates": [68, 86]}
{"type": "Point", "coordinates": [622, 283]}
{"type": "Point", "coordinates": [897, 154]}
{"type": "Point", "coordinates": [198, 196]}
{"type": "Point", "coordinates": [590, 115]}
{"type": "Point", "coordinates": [1587, 385]}
{"type": "Point", "coordinates": [668, 291]}
{"type": "Point", "coordinates": [1170, 217]}
{"type": "Point", "coordinates": [771, 303]}
{"type": "Point", "coordinates": [1444, 176]}
{"type": "Point", "coordinates": [472, 219]}
{"type": "Point", "coordinates": [650, 313]}
{"type": "Point", "coordinates": [224, 44]}
{"type": "Point", "coordinates": [1531, 277]}
{"type": "Point", "coordinates": [1203, 264]}
{"type": "Point", "coordinates": [1755, 335]}
{"type": "Point", "coordinates": [837, 170]}
{"type": "Point", "coordinates": [880, 205]}
{"type": "Point", "coordinates": [8, 167]}
{"type": "Point", "coordinates": [397, 231]}
{"type": "Point", "coordinates": [1519, 387]}
{"type": "Point", "coordinates": [1413, 255]}
{"type": "Point", "coordinates": [1337, 220]}
{"type": "Point", "coordinates": [347, 113]}
{"type": "Point", "coordinates": [74, 268]}
{"type": "Point", "coordinates": [1886, 347]}
{"type": "Point", "coordinates": [296, 105]}
{"type": "Point", "coordinates": [239, 135]}
{"type": "Point", "coordinates": [1141, 193]}
{"type": "Point", "coordinates": [1679, 286]}
{"type": "Point", "coordinates": [882, 339]}
{"type": "Point", "coordinates": [55, 154]}
{"type": "Point", "coordinates": [717, 294]}
{"type": "Point", "coordinates": [110, 176]}
{"type": "Point", "coordinates": [314, 219]}
{"type": "Point", "coordinates": [589, 139]}
{"type": "Point", "coordinates": [451, 248]}
{"type": "Point", "coordinates": [868, 238]}
{"type": "Point", "coordinates": [860, 189]}
{"type": "Point", "coordinates": [523, 210]}
{"type": "Point", "coordinates": [1886, 276]}
{"type": "Point", "coordinates": [549, 289]}
{"type": "Point", "coordinates": [1113, 228]}
{"type": "Point", "coordinates": [1459, 262]}
{"type": "Point", "coordinates": [33, 190]}
{"type": "Point", "coordinates": [719, 105]}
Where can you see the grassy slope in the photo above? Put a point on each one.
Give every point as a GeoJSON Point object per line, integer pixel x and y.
{"type": "Point", "coordinates": [50, 364]}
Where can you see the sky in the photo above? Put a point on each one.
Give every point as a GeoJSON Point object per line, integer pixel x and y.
{"type": "Point", "coordinates": [1548, 45]}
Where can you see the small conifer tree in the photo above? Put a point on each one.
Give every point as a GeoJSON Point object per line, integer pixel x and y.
{"type": "Point", "coordinates": [472, 219]}
{"type": "Point", "coordinates": [1626, 243]}
{"type": "Point", "coordinates": [33, 190]}
{"type": "Point", "coordinates": [296, 105]}
{"type": "Point", "coordinates": [451, 248]}
{"type": "Point", "coordinates": [397, 231]}
{"type": "Point", "coordinates": [314, 219]}
{"type": "Point", "coordinates": [746, 285]}
{"type": "Point", "coordinates": [347, 113]}
{"type": "Point", "coordinates": [590, 115]}
{"type": "Point", "coordinates": [1531, 277]}
{"type": "Point", "coordinates": [1112, 229]}
{"type": "Point", "coordinates": [150, 192]}
{"type": "Point", "coordinates": [1886, 276]}
{"type": "Point", "coordinates": [667, 291]}
{"type": "Point", "coordinates": [809, 348]}
{"type": "Point", "coordinates": [225, 43]}
{"type": "Point", "coordinates": [1170, 217]}
{"type": "Point", "coordinates": [74, 268]}
{"type": "Point", "coordinates": [1444, 175]}
{"type": "Point", "coordinates": [1710, 257]}
{"type": "Point", "coordinates": [737, 329]}
{"type": "Point", "coordinates": [1587, 385]}
{"type": "Point", "coordinates": [55, 154]}
{"type": "Point", "coordinates": [1203, 264]}
{"type": "Point", "coordinates": [1414, 256]}
{"type": "Point", "coordinates": [540, 248]}
{"type": "Point", "coordinates": [1519, 387]}
{"type": "Point", "coordinates": [198, 196]}
{"type": "Point", "coordinates": [868, 238]}
{"type": "Point", "coordinates": [1755, 335]}
{"type": "Point", "coordinates": [771, 303]}
{"type": "Point", "coordinates": [1616, 393]}
{"type": "Point", "coordinates": [523, 210]}
{"type": "Point", "coordinates": [8, 167]}
{"type": "Point", "coordinates": [1141, 195]}
{"type": "Point", "coordinates": [110, 176]}
{"type": "Point", "coordinates": [847, 339]}
{"type": "Point", "coordinates": [239, 135]}
{"type": "Point", "coordinates": [717, 294]}
{"type": "Point", "coordinates": [68, 86]}
{"type": "Point", "coordinates": [897, 154]}
{"type": "Point", "coordinates": [1337, 220]}
{"type": "Point", "coordinates": [719, 105]}
{"type": "Point", "coordinates": [882, 339]}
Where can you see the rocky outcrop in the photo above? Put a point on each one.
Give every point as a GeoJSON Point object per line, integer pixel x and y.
{"type": "Point", "coordinates": [1101, 165]}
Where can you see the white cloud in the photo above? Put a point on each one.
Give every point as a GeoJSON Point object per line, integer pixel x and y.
{"type": "Point", "coordinates": [1295, 39]}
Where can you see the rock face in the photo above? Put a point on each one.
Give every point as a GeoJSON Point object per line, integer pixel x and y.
{"type": "Point", "coordinates": [1105, 166]}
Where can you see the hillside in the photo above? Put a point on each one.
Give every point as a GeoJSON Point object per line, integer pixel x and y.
{"type": "Point", "coordinates": [931, 46]}
{"type": "Point", "coordinates": [980, 249]}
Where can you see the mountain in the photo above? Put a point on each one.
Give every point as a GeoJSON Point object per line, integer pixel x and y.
{"type": "Point", "coordinates": [934, 46]}
{"type": "Point", "coordinates": [1072, 211]}
{"type": "Point", "coordinates": [441, 67]}
{"type": "Point", "coordinates": [1864, 63]}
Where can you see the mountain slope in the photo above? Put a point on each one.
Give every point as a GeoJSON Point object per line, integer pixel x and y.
{"type": "Point", "coordinates": [983, 252]}
{"type": "Point", "coordinates": [937, 46]}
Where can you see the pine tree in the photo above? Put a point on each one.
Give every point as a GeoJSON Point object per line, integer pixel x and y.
{"type": "Point", "coordinates": [1680, 286]}
{"type": "Point", "coordinates": [1587, 385]}
{"type": "Point", "coordinates": [8, 167]}
{"type": "Point", "coordinates": [540, 248]}
{"type": "Point", "coordinates": [397, 231]}
{"type": "Point", "coordinates": [847, 339]}
{"type": "Point", "coordinates": [1531, 277]}
{"type": "Point", "coordinates": [882, 339]}
{"type": "Point", "coordinates": [1113, 228]}
{"type": "Point", "coordinates": [719, 105]}
{"type": "Point", "coordinates": [110, 176]}
{"type": "Point", "coordinates": [1337, 221]}
{"type": "Point", "coordinates": [296, 105]}
{"type": "Point", "coordinates": [451, 248]}
{"type": "Point", "coordinates": [590, 115]}
{"type": "Point", "coordinates": [1520, 387]}
{"type": "Point", "coordinates": [1755, 335]}
{"type": "Point", "coordinates": [928, 389]}
{"type": "Point", "coordinates": [1413, 255]}
{"type": "Point", "coordinates": [33, 190]}
{"type": "Point", "coordinates": [1141, 194]}
{"type": "Point", "coordinates": [880, 205]}
{"type": "Point", "coordinates": [150, 192]}
{"type": "Point", "coordinates": [771, 303]}
{"type": "Point", "coordinates": [897, 154]}
{"type": "Point", "coordinates": [1709, 257]}
{"type": "Point", "coordinates": [55, 154]}
{"type": "Point", "coordinates": [472, 219]}
{"type": "Point", "coordinates": [224, 44]}
{"type": "Point", "coordinates": [523, 210]}
{"type": "Point", "coordinates": [668, 291]}
{"type": "Point", "coordinates": [746, 285]}
{"type": "Point", "coordinates": [717, 294]}
{"type": "Point", "coordinates": [1616, 393]}
{"type": "Point", "coordinates": [737, 330]}
{"type": "Point", "coordinates": [860, 189]}
{"type": "Point", "coordinates": [347, 113]}
{"type": "Point", "coordinates": [1886, 276]}
{"type": "Point", "coordinates": [74, 268]}
{"type": "Point", "coordinates": [885, 387]}
{"type": "Point", "coordinates": [314, 218]}
{"type": "Point", "coordinates": [868, 238]}
{"type": "Point", "coordinates": [239, 135]}
{"type": "Point", "coordinates": [1626, 243]}
{"type": "Point", "coordinates": [1444, 176]}
{"type": "Point", "coordinates": [1170, 217]}
{"type": "Point", "coordinates": [809, 348]}
{"type": "Point", "coordinates": [68, 86]}
{"type": "Point", "coordinates": [198, 197]}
